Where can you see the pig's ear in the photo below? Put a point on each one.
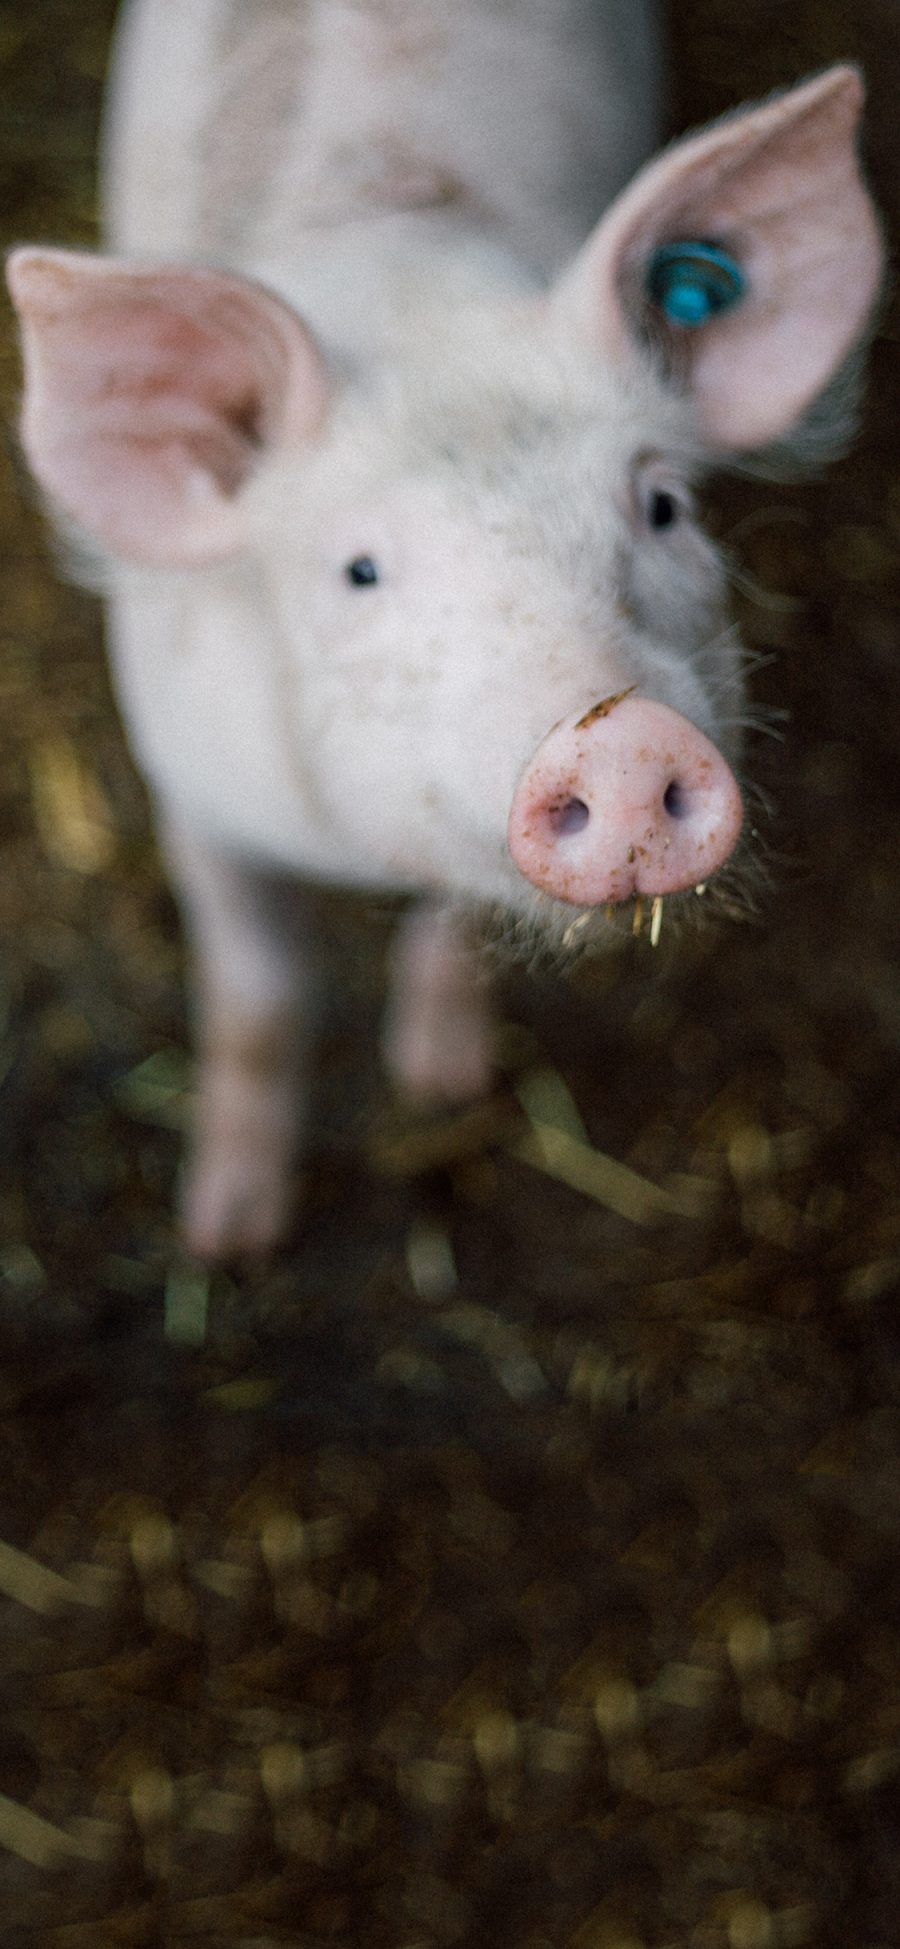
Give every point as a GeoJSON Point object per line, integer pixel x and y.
{"type": "Point", "coordinates": [747, 256]}
{"type": "Point", "coordinates": [151, 396]}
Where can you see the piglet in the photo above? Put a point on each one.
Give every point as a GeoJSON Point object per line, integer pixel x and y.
{"type": "Point", "coordinates": [389, 458]}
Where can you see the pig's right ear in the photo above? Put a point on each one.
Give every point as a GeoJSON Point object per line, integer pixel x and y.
{"type": "Point", "coordinates": [748, 257]}
{"type": "Point", "coordinates": [151, 396]}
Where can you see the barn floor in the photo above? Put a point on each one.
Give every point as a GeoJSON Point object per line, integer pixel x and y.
{"type": "Point", "coordinates": [500, 1566]}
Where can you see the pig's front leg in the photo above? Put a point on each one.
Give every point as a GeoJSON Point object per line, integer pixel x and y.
{"type": "Point", "coordinates": [437, 1033]}
{"type": "Point", "coordinates": [250, 987]}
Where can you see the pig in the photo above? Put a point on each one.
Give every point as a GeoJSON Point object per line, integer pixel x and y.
{"type": "Point", "coordinates": [384, 412]}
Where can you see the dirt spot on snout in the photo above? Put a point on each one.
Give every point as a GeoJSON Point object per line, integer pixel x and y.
{"type": "Point", "coordinates": [603, 709]}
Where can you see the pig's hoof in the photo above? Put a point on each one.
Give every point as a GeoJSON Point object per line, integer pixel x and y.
{"type": "Point", "coordinates": [231, 1208]}
{"type": "Point", "coordinates": [448, 1061]}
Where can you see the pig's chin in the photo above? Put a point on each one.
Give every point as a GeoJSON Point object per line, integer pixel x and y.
{"type": "Point", "coordinates": [549, 932]}
{"type": "Point", "coordinates": [528, 925]}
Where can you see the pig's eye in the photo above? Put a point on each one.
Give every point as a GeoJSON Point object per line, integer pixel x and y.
{"type": "Point", "coordinates": [662, 509]}
{"type": "Point", "coordinates": [362, 572]}
{"type": "Point", "coordinates": [661, 498]}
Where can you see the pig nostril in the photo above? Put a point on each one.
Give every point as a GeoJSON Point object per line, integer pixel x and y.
{"type": "Point", "coordinates": [567, 816]}
{"type": "Point", "coordinates": [676, 800]}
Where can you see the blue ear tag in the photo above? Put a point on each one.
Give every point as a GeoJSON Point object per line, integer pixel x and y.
{"type": "Point", "coordinates": [692, 282]}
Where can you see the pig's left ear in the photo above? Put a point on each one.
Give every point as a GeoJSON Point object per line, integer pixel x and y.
{"type": "Point", "coordinates": [747, 256]}
{"type": "Point", "coordinates": [151, 395]}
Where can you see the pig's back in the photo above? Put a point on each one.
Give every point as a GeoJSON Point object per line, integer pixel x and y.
{"type": "Point", "coordinates": [238, 127]}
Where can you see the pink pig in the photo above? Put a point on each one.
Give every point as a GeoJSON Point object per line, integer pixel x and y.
{"type": "Point", "coordinates": [391, 471]}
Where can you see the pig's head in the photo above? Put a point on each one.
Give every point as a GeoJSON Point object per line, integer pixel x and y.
{"type": "Point", "coordinates": [507, 649]}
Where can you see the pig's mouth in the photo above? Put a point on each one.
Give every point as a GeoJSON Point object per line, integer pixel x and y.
{"type": "Point", "coordinates": [550, 933]}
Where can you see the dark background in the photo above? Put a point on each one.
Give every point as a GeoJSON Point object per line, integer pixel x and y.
{"type": "Point", "coordinates": [491, 1568]}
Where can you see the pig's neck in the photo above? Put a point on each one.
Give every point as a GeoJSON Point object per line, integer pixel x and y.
{"type": "Point", "coordinates": [361, 283]}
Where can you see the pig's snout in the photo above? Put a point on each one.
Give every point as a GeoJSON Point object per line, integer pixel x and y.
{"type": "Point", "coordinates": [628, 799]}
